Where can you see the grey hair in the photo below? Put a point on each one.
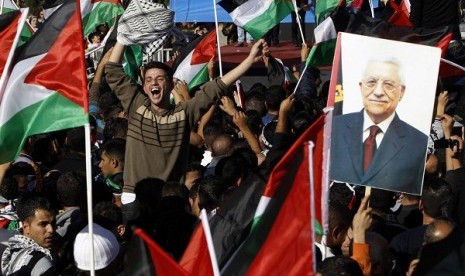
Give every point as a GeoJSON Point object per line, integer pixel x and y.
{"type": "Point", "coordinates": [391, 60]}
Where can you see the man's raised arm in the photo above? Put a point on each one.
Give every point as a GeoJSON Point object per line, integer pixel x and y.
{"type": "Point", "coordinates": [255, 55]}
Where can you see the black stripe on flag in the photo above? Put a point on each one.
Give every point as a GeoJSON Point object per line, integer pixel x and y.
{"type": "Point", "coordinates": [230, 5]}
{"type": "Point", "coordinates": [49, 4]}
{"type": "Point", "coordinates": [185, 51]}
{"type": "Point", "coordinates": [7, 18]}
{"type": "Point", "coordinates": [41, 43]}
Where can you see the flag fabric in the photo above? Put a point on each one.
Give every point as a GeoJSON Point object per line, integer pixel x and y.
{"type": "Point", "coordinates": [9, 6]}
{"type": "Point", "coordinates": [10, 29]}
{"type": "Point", "coordinates": [281, 239]}
{"type": "Point", "coordinates": [278, 73]}
{"type": "Point", "coordinates": [342, 20]}
{"type": "Point", "coordinates": [46, 90]}
{"type": "Point", "coordinates": [148, 258]}
{"type": "Point", "coordinates": [196, 259]}
{"type": "Point", "coordinates": [191, 65]}
{"type": "Point", "coordinates": [50, 6]}
{"type": "Point", "coordinates": [257, 17]}
{"type": "Point", "coordinates": [323, 7]}
{"type": "Point", "coordinates": [96, 12]}
{"type": "Point", "coordinates": [401, 15]}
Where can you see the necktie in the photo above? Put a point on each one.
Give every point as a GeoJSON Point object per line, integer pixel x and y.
{"type": "Point", "coordinates": [369, 147]}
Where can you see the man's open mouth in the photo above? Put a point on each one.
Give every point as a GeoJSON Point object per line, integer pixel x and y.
{"type": "Point", "coordinates": [155, 90]}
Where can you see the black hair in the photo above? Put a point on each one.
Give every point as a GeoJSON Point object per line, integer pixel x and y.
{"type": "Point", "coordinates": [436, 197]}
{"type": "Point", "coordinates": [254, 121]}
{"type": "Point", "coordinates": [382, 200]}
{"type": "Point", "coordinates": [211, 191]}
{"type": "Point", "coordinates": [195, 166]}
{"type": "Point", "coordinates": [159, 65]}
{"type": "Point", "coordinates": [339, 265]}
{"type": "Point", "coordinates": [115, 148]}
{"type": "Point", "coordinates": [76, 139]}
{"type": "Point", "coordinates": [231, 169]}
{"type": "Point", "coordinates": [340, 193]}
{"type": "Point", "coordinates": [70, 188]}
{"type": "Point", "coordinates": [29, 203]}
{"type": "Point", "coordinates": [274, 96]}
{"type": "Point", "coordinates": [149, 191]}
{"type": "Point", "coordinates": [255, 101]}
{"type": "Point", "coordinates": [9, 188]}
{"type": "Point", "coordinates": [115, 128]}
{"type": "Point", "coordinates": [108, 215]}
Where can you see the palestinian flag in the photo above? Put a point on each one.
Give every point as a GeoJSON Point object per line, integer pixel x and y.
{"type": "Point", "coordinates": [46, 89]}
{"type": "Point", "coordinates": [50, 6]}
{"type": "Point", "coordinates": [26, 31]}
{"type": "Point", "coordinates": [281, 239]}
{"type": "Point", "coordinates": [96, 12]}
{"type": "Point", "coordinates": [148, 258]}
{"type": "Point", "coordinates": [10, 29]}
{"type": "Point", "coordinates": [323, 7]}
{"type": "Point", "coordinates": [191, 65]}
{"type": "Point", "coordinates": [9, 6]}
{"type": "Point", "coordinates": [342, 20]}
{"type": "Point", "coordinates": [257, 17]}
{"type": "Point", "coordinates": [278, 73]}
{"type": "Point", "coordinates": [196, 259]}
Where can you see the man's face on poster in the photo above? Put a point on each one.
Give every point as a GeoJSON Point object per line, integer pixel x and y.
{"type": "Point", "coordinates": [382, 89]}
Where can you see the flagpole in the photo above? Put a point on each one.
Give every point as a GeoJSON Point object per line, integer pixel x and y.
{"type": "Point", "coordinates": [89, 198]}
{"type": "Point", "coordinates": [220, 64]}
{"type": "Point", "coordinates": [301, 75]}
{"type": "Point", "coordinates": [297, 18]}
{"type": "Point", "coordinates": [1, 8]}
{"type": "Point", "coordinates": [371, 8]}
{"type": "Point", "coordinates": [208, 237]}
{"type": "Point", "coordinates": [311, 181]}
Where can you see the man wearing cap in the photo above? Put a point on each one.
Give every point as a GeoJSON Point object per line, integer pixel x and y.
{"type": "Point", "coordinates": [374, 147]}
{"type": "Point", "coordinates": [29, 253]}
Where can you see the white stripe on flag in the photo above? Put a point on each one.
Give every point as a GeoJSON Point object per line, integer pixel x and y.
{"type": "Point", "coordinates": [19, 95]}
{"type": "Point", "coordinates": [325, 31]}
{"type": "Point", "coordinates": [185, 71]}
{"type": "Point", "coordinates": [250, 10]}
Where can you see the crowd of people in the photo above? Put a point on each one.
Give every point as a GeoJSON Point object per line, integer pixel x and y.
{"type": "Point", "coordinates": [161, 153]}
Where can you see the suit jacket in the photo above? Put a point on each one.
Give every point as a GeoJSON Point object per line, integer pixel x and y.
{"type": "Point", "coordinates": [398, 163]}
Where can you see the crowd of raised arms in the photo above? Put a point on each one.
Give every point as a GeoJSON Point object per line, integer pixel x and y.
{"type": "Point", "coordinates": [162, 152]}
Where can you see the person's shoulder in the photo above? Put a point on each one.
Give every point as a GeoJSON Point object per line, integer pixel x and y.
{"type": "Point", "coordinates": [411, 131]}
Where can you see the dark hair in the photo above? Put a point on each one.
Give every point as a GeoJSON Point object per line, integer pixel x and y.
{"type": "Point", "coordinates": [339, 265]}
{"type": "Point", "coordinates": [28, 203]}
{"type": "Point", "coordinates": [436, 197]}
{"type": "Point", "coordinates": [339, 215]}
{"type": "Point", "coordinates": [91, 35]}
{"type": "Point", "coordinates": [248, 155]}
{"type": "Point", "coordinates": [382, 200]}
{"type": "Point", "coordinates": [115, 148]}
{"type": "Point", "coordinates": [173, 188]}
{"type": "Point", "coordinates": [255, 101]}
{"type": "Point", "coordinates": [211, 191]}
{"type": "Point", "coordinates": [231, 169]}
{"type": "Point", "coordinates": [340, 193]}
{"type": "Point", "coordinates": [149, 190]}
{"type": "Point", "coordinates": [274, 96]}
{"type": "Point", "coordinates": [70, 188]}
{"type": "Point", "coordinates": [254, 121]}
{"type": "Point", "coordinates": [76, 139]}
{"type": "Point", "coordinates": [108, 215]}
{"type": "Point", "coordinates": [9, 188]}
{"type": "Point", "coordinates": [195, 166]}
{"type": "Point", "coordinates": [268, 133]}
{"type": "Point", "coordinates": [159, 65]}
{"type": "Point", "coordinates": [115, 128]}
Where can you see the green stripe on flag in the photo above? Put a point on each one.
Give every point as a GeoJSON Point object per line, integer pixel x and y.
{"type": "Point", "coordinates": [53, 113]}
{"type": "Point", "coordinates": [201, 77]}
{"type": "Point", "coordinates": [102, 12]}
{"type": "Point", "coordinates": [322, 53]}
{"type": "Point", "coordinates": [133, 61]}
{"type": "Point", "coordinates": [264, 22]}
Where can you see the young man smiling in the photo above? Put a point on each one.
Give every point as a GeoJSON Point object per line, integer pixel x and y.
{"type": "Point", "coordinates": [157, 143]}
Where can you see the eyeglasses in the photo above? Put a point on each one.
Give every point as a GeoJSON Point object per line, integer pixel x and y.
{"type": "Point", "coordinates": [158, 79]}
{"type": "Point", "coordinates": [372, 83]}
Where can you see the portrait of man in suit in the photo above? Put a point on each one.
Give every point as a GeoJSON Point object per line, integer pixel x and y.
{"type": "Point", "coordinates": [374, 146]}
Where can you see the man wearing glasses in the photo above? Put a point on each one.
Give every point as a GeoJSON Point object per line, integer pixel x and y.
{"type": "Point", "coordinates": [375, 147]}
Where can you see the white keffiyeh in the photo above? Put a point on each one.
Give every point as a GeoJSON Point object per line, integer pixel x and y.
{"type": "Point", "coordinates": [144, 22]}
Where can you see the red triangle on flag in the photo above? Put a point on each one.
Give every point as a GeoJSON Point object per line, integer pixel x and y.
{"type": "Point", "coordinates": [63, 68]}
{"type": "Point", "coordinates": [7, 37]}
{"type": "Point", "coordinates": [205, 50]}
